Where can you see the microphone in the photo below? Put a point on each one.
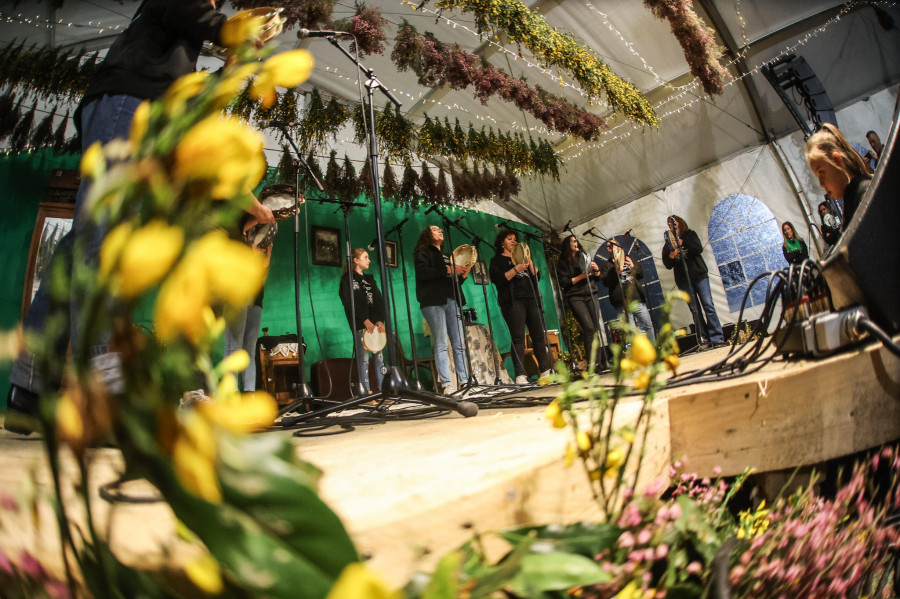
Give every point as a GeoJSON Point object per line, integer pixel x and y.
{"type": "Point", "coordinates": [568, 225]}
{"type": "Point", "coordinates": [278, 123]}
{"type": "Point", "coordinates": [371, 246]}
{"type": "Point", "coordinates": [502, 224]}
{"type": "Point", "coordinates": [628, 233]}
{"type": "Point", "coordinates": [305, 33]}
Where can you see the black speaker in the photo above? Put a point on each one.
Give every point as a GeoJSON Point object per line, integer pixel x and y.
{"type": "Point", "coordinates": [793, 72]}
{"type": "Point", "coordinates": [864, 268]}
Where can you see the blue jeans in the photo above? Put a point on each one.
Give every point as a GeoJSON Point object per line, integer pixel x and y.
{"type": "Point", "coordinates": [443, 322]}
{"type": "Point", "coordinates": [642, 320]}
{"type": "Point", "coordinates": [711, 325]}
{"type": "Point", "coordinates": [242, 332]}
{"type": "Point", "coordinates": [103, 119]}
{"type": "Point", "coordinates": [362, 363]}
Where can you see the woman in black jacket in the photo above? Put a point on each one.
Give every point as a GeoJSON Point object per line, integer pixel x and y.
{"type": "Point", "coordinates": [368, 305]}
{"type": "Point", "coordinates": [793, 248]}
{"type": "Point", "coordinates": [437, 300]}
{"type": "Point", "coordinates": [576, 288]}
{"type": "Point", "coordinates": [517, 294]}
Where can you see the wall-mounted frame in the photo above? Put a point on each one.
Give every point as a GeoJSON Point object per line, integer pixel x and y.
{"type": "Point", "coordinates": [390, 248]}
{"type": "Point", "coordinates": [325, 245]}
{"type": "Point", "coordinates": [54, 220]}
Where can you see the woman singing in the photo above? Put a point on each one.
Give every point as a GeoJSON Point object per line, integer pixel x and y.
{"type": "Point", "coordinates": [436, 294]}
{"type": "Point", "coordinates": [576, 288]}
{"type": "Point", "coordinates": [793, 248]}
{"type": "Point", "coordinates": [517, 294]}
{"type": "Point", "coordinates": [368, 304]}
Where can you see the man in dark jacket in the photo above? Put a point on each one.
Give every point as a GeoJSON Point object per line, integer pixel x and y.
{"type": "Point", "coordinates": [624, 286]}
{"type": "Point", "coordinates": [688, 246]}
{"type": "Point", "coordinates": [161, 44]}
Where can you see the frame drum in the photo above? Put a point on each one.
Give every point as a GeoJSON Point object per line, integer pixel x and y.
{"type": "Point", "coordinates": [280, 199]}
{"type": "Point", "coordinates": [465, 256]}
{"type": "Point", "coordinates": [261, 236]}
{"type": "Point", "coordinates": [374, 341]}
{"type": "Point", "coordinates": [521, 253]}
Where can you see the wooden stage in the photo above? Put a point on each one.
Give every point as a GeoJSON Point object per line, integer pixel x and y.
{"type": "Point", "coordinates": [410, 491]}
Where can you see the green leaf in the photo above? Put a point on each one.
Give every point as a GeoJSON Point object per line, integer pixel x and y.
{"type": "Point", "coordinates": [684, 590]}
{"type": "Point", "coordinates": [556, 571]}
{"type": "Point", "coordinates": [444, 583]}
{"type": "Point", "coordinates": [583, 538]}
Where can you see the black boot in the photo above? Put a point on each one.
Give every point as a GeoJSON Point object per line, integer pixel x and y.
{"type": "Point", "coordinates": [21, 411]}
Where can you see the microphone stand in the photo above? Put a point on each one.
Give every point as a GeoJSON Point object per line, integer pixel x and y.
{"type": "Point", "coordinates": [394, 384]}
{"type": "Point", "coordinates": [398, 229]}
{"type": "Point", "coordinates": [540, 302]}
{"type": "Point", "coordinates": [478, 241]}
{"type": "Point", "coordinates": [595, 304]}
{"type": "Point", "coordinates": [567, 333]}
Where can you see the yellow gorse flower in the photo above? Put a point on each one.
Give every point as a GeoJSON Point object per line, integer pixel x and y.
{"type": "Point", "coordinates": [206, 574]}
{"type": "Point", "coordinates": [244, 413]}
{"type": "Point", "coordinates": [642, 350]}
{"type": "Point", "coordinates": [145, 257]}
{"type": "Point", "coordinates": [288, 69]}
{"type": "Point", "coordinates": [139, 123]}
{"type": "Point", "coordinates": [224, 152]}
{"type": "Point", "coordinates": [584, 441]}
{"type": "Point", "coordinates": [194, 457]}
{"type": "Point", "coordinates": [236, 362]}
{"type": "Point", "coordinates": [182, 90]}
{"type": "Point", "coordinates": [641, 381]}
{"type": "Point", "coordinates": [242, 28]}
{"type": "Point", "coordinates": [359, 582]}
{"type": "Point", "coordinates": [92, 160]}
{"type": "Point", "coordinates": [553, 413]}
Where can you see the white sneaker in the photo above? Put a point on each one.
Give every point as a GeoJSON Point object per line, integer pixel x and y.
{"type": "Point", "coordinates": [448, 389]}
{"type": "Point", "coordinates": [546, 373]}
{"type": "Point", "coordinates": [522, 380]}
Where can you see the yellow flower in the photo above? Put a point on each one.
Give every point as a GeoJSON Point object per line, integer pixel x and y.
{"type": "Point", "coordinates": [235, 272]}
{"type": "Point", "coordinates": [242, 28]}
{"type": "Point", "coordinates": [642, 350]}
{"type": "Point", "coordinates": [359, 582]}
{"type": "Point", "coordinates": [245, 413]}
{"type": "Point", "coordinates": [236, 362]}
{"type": "Point", "coordinates": [180, 304]}
{"type": "Point", "coordinates": [139, 123]}
{"type": "Point", "coordinates": [631, 591]}
{"type": "Point", "coordinates": [672, 362]}
{"type": "Point", "coordinates": [223, 151]}
{"type": "Point", "coordinates": [147, 256]}
{"type": "Point", "coordinates": [112, 247]}
{"type": "Point", "coordinates": [230, 86]}
{"type": "Point", "coordinates": [684, 297]}
{"type": "Point", "coordinates": [92, 160]}
{"type": "Point", "coordinates": [69, 424]}
{"type": "Point", "coordinates": [206, 574]}
{"type": "Point", "coordinates": [642, 380]}
{"type": "Point", "coordinates": [628, 366]}
{"type": "Point", "coordinates": [584, 441]}
{"type": "Point", "coordinates": [553, 413]}
{"type": "Point", "coordinates": [570, 455]}
{"type": "Point", "coordinates": [615, 458]}
{"type": "Point", "coordinates": [195, 471]}
{"type": "Point", "coordinates": [182, 89]}
{"type": "Point", "coordinates": [627, 436]}
{"type": "Point", "coordinates": [227, 390]}
{"type": "Point", "coordinates": [288, 69]}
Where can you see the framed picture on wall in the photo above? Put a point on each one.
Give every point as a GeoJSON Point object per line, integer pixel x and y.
{"type": "Point", "coordinates": [390, 248]}
{"type": "Point", "coordinates": [54, 220]}
{"type": "Point", "coordinates": [326, 246]}
{"type": "Point", "coordinates": [480, 273]}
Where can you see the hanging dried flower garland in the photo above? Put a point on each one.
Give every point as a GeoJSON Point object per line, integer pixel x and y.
{"type": "Point", "coordinates": [697, 40]}
{"type": "Point", "coordinates": [560, 50]}
{"type": "Point", "coordinates": [438, 64]}
{"type": "Point", "coordinates": [367, 28]}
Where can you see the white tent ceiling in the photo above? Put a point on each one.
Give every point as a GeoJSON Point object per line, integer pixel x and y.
{"type": "Point", "coordinates": [853, 56]}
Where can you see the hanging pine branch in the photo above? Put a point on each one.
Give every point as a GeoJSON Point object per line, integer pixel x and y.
{"type": "Point", "coordinates": [306, 180]}
{"type": "Point", "coordinates": [22, 132]}
{"type": "Point", "coordinates": [286, 171]}
{"type": "Point", "coordinates": [8, 125]}
{"type": "Point", "coordinates": [242, 106]}
{"type": "Point", "coordinates": [390, 190]}
{"type": "Point", "coordinates": [350, 186]}
{"type": "Point", "coordinates": [332, 180]}
{"type": "Point", "coordinates": [365, 180]}
{"type": "Point", "coordinates": [442, 189]}
{"type": "Point", "coordinates": [43, 133]}
{"type": "Point", "coordinates": [408, 187]}
{"type": "Point", "coordinates": [59, 136]}
{"type": "Point", "coordinates": [427, 184]}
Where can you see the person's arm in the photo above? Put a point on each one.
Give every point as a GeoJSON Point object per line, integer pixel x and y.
{"type": "Point", "coordinates": [259, 211]}
{"type": "Point", "coordinates": [804, 251]}
{"type": "Point", "coordinates": [425, 267]}
{"type": "Point", "coordinates": [564, 274]}
{"type": "Point", "coordinates": [786, 254]}
{"type": "Point", "coordinates": [195, 20]}
{"type": "Point", "coordinates": [667, 258]}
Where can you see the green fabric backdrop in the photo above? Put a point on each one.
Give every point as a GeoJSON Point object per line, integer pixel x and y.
{"type": "Point", "coordinates": [23, 179]}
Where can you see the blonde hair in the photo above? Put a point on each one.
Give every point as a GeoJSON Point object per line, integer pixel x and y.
{"type": "Point", "coordinates": [356, 253]}
{"type": "Point", "coordinates": [828, 140]}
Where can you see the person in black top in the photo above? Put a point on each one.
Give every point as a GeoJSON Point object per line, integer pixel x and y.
{"type": "Point", "coordinates": [793, 248]}
{"type": "Point", "coordinates": [841, 171]}
{"type": "Point", "coordinates": [831, 223]}
{"type": "Point", "coordinates": [161, 44]}
{"type": "Point", "coordinates": [696, 276]}
{"type": "Point", "coordinates": [624, 284]}
{"type": "Point", "coordinates": [575, 284]}
{"type": "Point", "coordinates": [517, 294]}
{"type": "Point", "coordinates": [368, 304]}
{"type": "Point", "coordinates": [436, 292]}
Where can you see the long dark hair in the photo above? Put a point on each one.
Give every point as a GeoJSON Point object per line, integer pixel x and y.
{"type": "Point", "coordinates": [503, 234]}
{"type": "Point", "coordinates": [566, 253]}
{"type": "Point", "coordinates": [426, 238]}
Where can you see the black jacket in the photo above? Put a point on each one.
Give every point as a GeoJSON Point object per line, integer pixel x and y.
{"type": "Point", "coordinates": [853, 195]}
{"type": "Point", "coordinates": [633, 288]}
{"type": "Point", "coordinates": [520, 287]}
{"type": "Point", "coordinates": [693, 257]}
{"type": "Point", "coordinates": [368, 302]}
{"type": "Point", "coordinates": [160, 45]}
{"type": "Point", "coordinates": [566, 271]}
{"type": "Point", "coordinates": [797, 256]}
{"type": "Point", "coordinates": [434, 285]}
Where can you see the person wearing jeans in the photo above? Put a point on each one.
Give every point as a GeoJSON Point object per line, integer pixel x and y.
{"type": "Point", "coordinates": [436, 290]}
{"type": "Point", "coordinates": [625, 288]}
{"type": "Point", "coordinates": [368, 308]}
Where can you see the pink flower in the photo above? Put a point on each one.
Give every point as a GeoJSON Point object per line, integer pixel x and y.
{"type": "Point", "coordinates": [626, 540]}
{"type": "Point", "coordinates": [654, 487]}
{"type": "Point", "coordinates": [31, 567]}
{"type": "Point", "coordinates": [717, 470]}
{"type": "Point", "coordinates": [8, 502]}
{"type": "Point", "coordinates": [5, 565]}
{"type": "Point", "coordinates": [694, 568]}
{"type": "Point", "coordinates": [662, 551]}
{"type": "Point", "coordinates": [644, 536]}
{"type": "Point", "coordinates": [675, 511]}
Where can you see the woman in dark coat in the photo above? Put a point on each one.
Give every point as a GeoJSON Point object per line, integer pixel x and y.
{"type": "Point", "coordinates": [576, 288]}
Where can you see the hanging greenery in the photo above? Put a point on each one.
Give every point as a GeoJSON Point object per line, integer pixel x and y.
{"type": "Point", "coordinates": [306, 179]}
{"type": "Point", "coordinates": [350, 186]}
{"type": "Point", "coordinates": [558, 49]}
{"type": "Point", "coordinates": [297, 13]}
{"type": "Point", "coordinates": [321, 123]}
{"type": "Point", "coordinates": [367, 28]}
{"type": "Point", "coordinates": [390, 189]}
{"type": "Point", "coordinates": [46, 72]}
{"type": "Point", "coordinates": [442, 189]}
{"type": "Point", "coordinates": [59, 136]}
{"type": "Point", "coordinates": [286, 171]}
{"type": "Point", "coordinates": [43, 133]}
{"type": "Point", "coordinates": [22, 132]}
{"type": "Point", "coordinates": [396, 134]}
{"type": "Point", "coordinates": [332, 180]}
{"type": "Point", "coordinates": [438, 64]}
{"type": "Point", "coordinates": [409, 185]}
{"type": "Point", "coordinates": [697, 41]}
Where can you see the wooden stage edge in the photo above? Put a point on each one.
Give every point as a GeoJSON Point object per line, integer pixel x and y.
{"type": "Point", "coordinates": [410, 491]}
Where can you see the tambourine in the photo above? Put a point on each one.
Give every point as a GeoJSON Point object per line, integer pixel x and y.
{"type": "Point", "coordinates": [374, 341]}
{"type": "Point", "coordinates": [261, 236]}
{"type": "Point", "coordinates": [273, 23]}
{"type": "Point", "coordinates": [465, 256]}
{"type": "Point", "coordinates": [521, 254]}
{"type": "Point", "coordinates": [618, 256]}
{"type": "Point", "coordinates": [280, 199]}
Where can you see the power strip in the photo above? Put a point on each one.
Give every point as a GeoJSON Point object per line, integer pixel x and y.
{"type": "Point", "coordinates": [826, 332]}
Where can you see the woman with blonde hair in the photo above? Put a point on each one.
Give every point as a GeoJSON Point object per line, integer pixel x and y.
{"type": "Point", "coordinates": [841, 171]}
{"type": "Point", "coordinates": [793, 248]}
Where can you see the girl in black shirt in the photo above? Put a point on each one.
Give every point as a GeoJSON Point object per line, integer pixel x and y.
{"type": "Point", "coordinates": [368, 304]}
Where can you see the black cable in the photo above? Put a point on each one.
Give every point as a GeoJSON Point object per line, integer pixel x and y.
{"type": "Point", "coordinates": [110, 492]}
{"type": "Point", "coordinates": [868, 325]}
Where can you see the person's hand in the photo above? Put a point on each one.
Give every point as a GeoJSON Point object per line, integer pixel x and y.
{"type": "Point", "coordinates": [521, 267]}
{"type": "Point", "coordinates": [251, 222]}
{"type": "Point", "coordinates": [461, 270]}
{"type": "Point", "coordinates": [369, 326]}
{"type": "Point", "coordinates": [380, 326]}
{"type": "Point", "coordinates": [594, 267]}
{"type": "Point", "coordinates": [629, 262]}
{"type": "Point", "coordinates": [673, 254]}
